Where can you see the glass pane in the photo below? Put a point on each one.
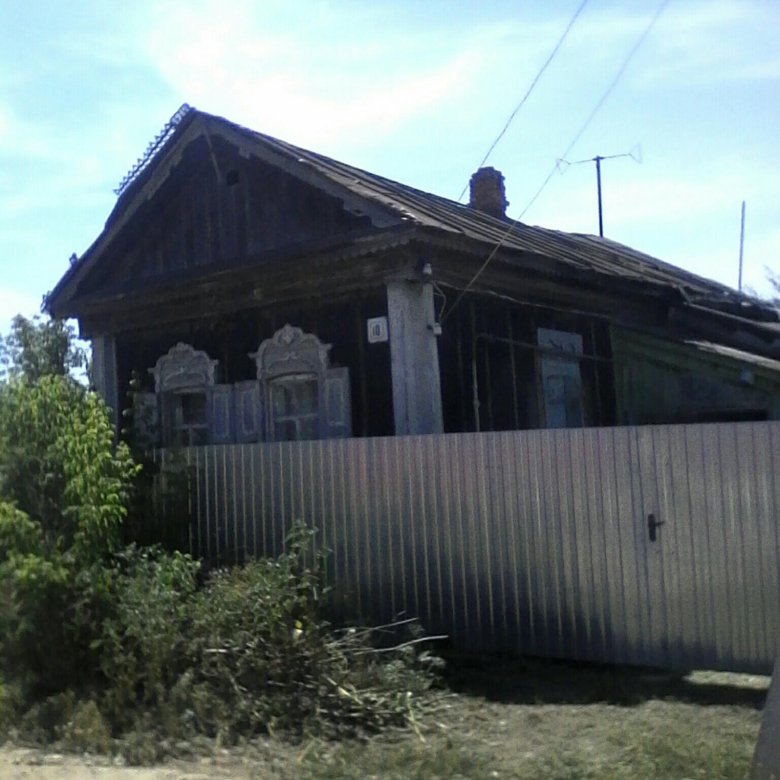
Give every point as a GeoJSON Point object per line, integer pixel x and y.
{"type": "Point", "coordinates": [306, 396]}
{"type": "Point", "coordinates": [285, 430]}
{"type": "Point", "coordinates": [562, 387]}
{"type": "Point", "coordinates": [309, 428]}
{"type": "Point", "coordinates": [572, 390]}
{"type": "Point", "coordinates": [281, 400]}
{"type": "Point", "coordinates": [193, 408]}
{"type": "Point", "coordinates": [198, 436]}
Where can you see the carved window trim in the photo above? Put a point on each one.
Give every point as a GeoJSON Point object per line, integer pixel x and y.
{"type": "Point", "coordinates": [291, 351]}
{"type": "Point", "coordinates": [244, 411]}
{"type": "Point", "coordinates": [291, 356]}
{"type": "Point", "coordinates": [182, 376]}
{"type": "Point", "coordinates": [183, 367]}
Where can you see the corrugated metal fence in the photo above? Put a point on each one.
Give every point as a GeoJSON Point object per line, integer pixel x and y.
{"type": "Point", "coordinates": [535, 542]}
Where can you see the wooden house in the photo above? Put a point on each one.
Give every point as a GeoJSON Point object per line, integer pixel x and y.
{"type": "Point", "coordinates": [263, 292]}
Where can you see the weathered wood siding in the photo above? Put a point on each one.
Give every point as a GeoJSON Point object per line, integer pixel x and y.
{"type": "Point", "coordinates": [219, 209]}
{"type": "Point", "coordinates": [660, 381]}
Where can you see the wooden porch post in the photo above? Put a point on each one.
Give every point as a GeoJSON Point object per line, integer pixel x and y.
{"type": "Point", "coordinates": [414, 358]}
{"type": "Point", "coordinates": [104, 373]}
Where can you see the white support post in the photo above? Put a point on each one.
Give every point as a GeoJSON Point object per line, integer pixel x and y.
{"type": "Point", "coordinates": [104, 374]}
{"type": "Point", "coordinates": [414, 358]}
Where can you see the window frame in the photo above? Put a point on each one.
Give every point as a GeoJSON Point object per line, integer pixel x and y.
{"type": "Point", "coordinates": [294, 381]}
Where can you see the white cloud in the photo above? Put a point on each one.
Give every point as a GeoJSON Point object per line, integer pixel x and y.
{"type": "Point", "coordinates": [711, 42]}
{"type": "Point", "coordinates": [13, 302]}
{"type": "Point", "coordinates": [22, 139]}
{"type": "Point", "coordinates": [221, 59]}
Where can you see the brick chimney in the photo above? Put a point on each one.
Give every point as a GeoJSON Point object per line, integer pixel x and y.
{"type": "Point", "coordinates": [487, 192]}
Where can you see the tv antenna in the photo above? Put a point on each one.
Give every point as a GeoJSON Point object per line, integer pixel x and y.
{"type": "Point", "coordinates": [741, 246]}
{"type": "Point", "coordinates": [635, 154]}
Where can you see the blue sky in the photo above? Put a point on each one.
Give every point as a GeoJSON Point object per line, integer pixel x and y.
{"type": "Point", "coordinates": [414, 91]}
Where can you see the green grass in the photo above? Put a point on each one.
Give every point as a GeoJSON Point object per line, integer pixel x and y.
{"type": "Point", "coordinates": [408, 759]}
{"type": "Point", "coordinates": [566, 722]}
{"type": "Point", "coordinates": [655, 741]}
{"type": "Point", "coordinates": [527, 720]}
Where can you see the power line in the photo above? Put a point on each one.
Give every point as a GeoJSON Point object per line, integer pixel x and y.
{"type": "Point", "coordinates": [576, 138]}
{"type": "Point", "coordinates": [601, 101]}
{"type": "Point", "coordinates": [529, 90]}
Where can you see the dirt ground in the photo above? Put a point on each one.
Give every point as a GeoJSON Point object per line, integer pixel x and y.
{"type": "Point", "coordinates": [27, 764]}
{"type": "Point", "coordinates": [549, 721]}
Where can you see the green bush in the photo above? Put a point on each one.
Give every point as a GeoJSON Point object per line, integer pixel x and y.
{"type": "Point", "coordinates": [258, 642]}
{"type": "Point", "coordinates": [33, 598]}
{"type": "Point", "coordinates": [63, 491]}
{"type": "Point", "coordinates": [19, 534]}
{"type": "Point", "coordinates": [58, 464]}
{"type": "Point", "coordinates": [264, 659]}
{"type": "Point", "coordinates": [87, 730]}
{"type": "Point", "coordinates": [10, 705]}
{"type": "Point", "coordinates": [246, 652]}
{"type": "Point", "coordinates": [43, 721]}
{"type": "Point", "coordinates": [144, 642]}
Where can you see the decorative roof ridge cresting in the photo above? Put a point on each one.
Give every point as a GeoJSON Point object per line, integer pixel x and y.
{"type": "Point", "coordinates": [154, 146]}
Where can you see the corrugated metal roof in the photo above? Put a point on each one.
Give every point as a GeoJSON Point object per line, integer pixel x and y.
{"type": "Point", "coordinates": [581, 251]}
{"type": "Point", "coordinates": [575, 251]}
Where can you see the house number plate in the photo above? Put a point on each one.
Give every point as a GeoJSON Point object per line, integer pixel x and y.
{"type": "Point", "coordinates": [377, 329]}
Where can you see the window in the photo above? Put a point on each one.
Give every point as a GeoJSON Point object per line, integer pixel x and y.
{"type": "Point", "coordinates": [295, 407]}
{"type": "Point", "coordinates": [188, 418]}
{"type": "Point", "coordinates": [303, 396]}
{"type": "Point", "coordinates": [561, 378]}
{"type": "Point", "coordinates": [184, 387]}
{"type": "Point", "coordinates": [296, 396]}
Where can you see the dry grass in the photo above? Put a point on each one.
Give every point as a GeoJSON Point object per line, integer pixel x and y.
{"type": "Point", "coordinates": [535, 720]}
{"type": "Point", "coordinates": [561, 721]}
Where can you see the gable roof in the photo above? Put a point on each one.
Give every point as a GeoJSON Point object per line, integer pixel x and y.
{"type": "Point", "coordinates": [390, 203]}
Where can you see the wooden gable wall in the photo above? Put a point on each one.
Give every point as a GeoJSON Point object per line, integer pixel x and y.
{"type": "Point", "coordinates": [216, 210]}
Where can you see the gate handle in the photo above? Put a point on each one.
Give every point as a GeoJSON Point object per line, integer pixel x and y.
{"type": "Point", "coordinates": [652, 524]}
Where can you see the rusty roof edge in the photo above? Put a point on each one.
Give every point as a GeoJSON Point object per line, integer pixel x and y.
{"type": "Point", "coordinates": [594, 256]}
{"type": "Point", "coordinates": [349, 247]}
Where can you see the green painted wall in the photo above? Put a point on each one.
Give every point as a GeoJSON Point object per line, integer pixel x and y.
{"type": "Point", "coordinates": [659, 381]}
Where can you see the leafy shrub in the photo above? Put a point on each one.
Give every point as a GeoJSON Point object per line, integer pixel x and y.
{"type": "Point", "coordinates": [19, 534]}
{"type": "Point", "coordinates": [258, 643]}
{"type": "Point", "coordinates": [43, 721]}
{"type": "Point", "coordinates": [87, 730]}
{"type": "Point", "coordinates": [248, 651]}
{"type": "Point", "coordinates": [10, 705]}
{"type": "Point", "coordinates": [144, 643]}
{"type": "Point", "coordinates": [58, 464]}
{"type": "Point", "coordinates": [265, 659]}
{"type": "Point", "coordinates": [63, 489]}
{"type": "Point", "coordinates": [33, 600]}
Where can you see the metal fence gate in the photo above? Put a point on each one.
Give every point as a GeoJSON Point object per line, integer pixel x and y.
{"type": "Point", "coordinates": [648, 545]}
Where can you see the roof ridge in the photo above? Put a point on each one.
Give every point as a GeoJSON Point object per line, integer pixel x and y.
{"type": "Point", "coordinates": [154, 146]}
